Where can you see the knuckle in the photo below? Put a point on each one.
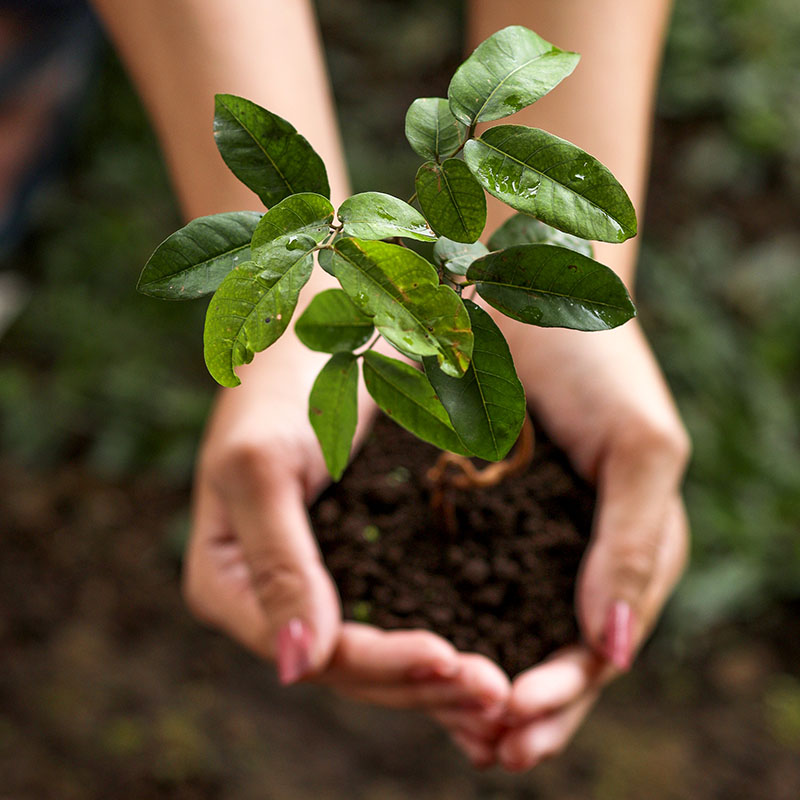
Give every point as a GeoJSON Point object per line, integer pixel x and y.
{"type": "Point", "coordinates": [633, 566]}
{"type": "Point", "coordinates": [650, 437]}
{"type": "Point", "coordinates": [277, 582]}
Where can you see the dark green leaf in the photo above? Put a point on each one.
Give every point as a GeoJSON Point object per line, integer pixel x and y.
{"type": "Point", "coordinates": [265, 152]}
{"type": "Point", "coordinates": [405, 394]}
{"type": "Point", "coordinates": [451, 199]}
{"type": "Point", "coordinates": [331, 323]}
{"type": "Point", "coordinates": [550, 286]}
{"type": "Point", "coordinates": [400, 290]}
{"type": "Point", "coordinates": [432, 130]}
{"type": "Point", "coordinates": [374, 215]}
{"type": "Point", "coordinates": [290, 225]}
{"type": "Point", "coordinates": [250, 310]}
{"type": "Point", "coordinates": [333, 410]}
{"type": "Point", "coordinates": [194, 260]}
{"type": "Point", "coordinates": [487, 405]}
{"type": "Point", "coordinates": [550, 179]}
{"type": "Point", "coordinates": [456, 257]}
{"type": "Point", "coordinates": [510, 70]}
{"type": "Point", "coordinates": [522, 229]}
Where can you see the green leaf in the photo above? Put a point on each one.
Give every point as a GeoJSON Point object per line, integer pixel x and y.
{"type": "Point", "coordinates": [194, 260]}
{"type": "Point", "coordinates": [401, 291]}
{"type": "Point", "coordinates": [550, 286]}
{"type": "Point", "coordinates": [331, 323]}
{"type": "Point", "coordinates": [451, 199]}
{"type": "Point", "coordinates": [510, 70]}
{"type": "Point", "coordinates": [432, 130]}
{"type": "Point", "coordinates": [456, 257]}
{"type": "Point", "coordinates": [522, 229]}
{"type": "Point", "coordinates": [265, 152]}
{"type": "Point", "coordinates": [249, 311]}
{"type": "Point", "coordinates": [374, 215]}
{"type": "Point", "coordinates": [405, 394]}
{"type": "Point", "coordinates": [333, 410]}
{"type": "Point", "coordinates": [289, 225]}
{"type": "Point", "coordinates": [487, 405]}
{"type": "Point", "coordinates": [550, 179]}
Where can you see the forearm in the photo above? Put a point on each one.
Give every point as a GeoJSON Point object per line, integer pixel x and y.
{"type": "Point", "coordinates": [606, 105]}
{"type": "Point", "coordinates": [180, 53]}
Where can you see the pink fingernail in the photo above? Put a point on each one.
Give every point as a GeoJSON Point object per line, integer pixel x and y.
{"type": "Point", "coordinates": [293, 651]}
{"type": "Point", "coordinates": [432, 672]}
{"type": "Point", "coordinates": [618, 642]}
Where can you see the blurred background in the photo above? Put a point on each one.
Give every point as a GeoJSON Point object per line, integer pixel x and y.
{"type": "Point", "coordinates": [107, 686]}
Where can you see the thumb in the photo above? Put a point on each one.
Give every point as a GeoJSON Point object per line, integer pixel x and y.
{"type": "Point", "coordinates": [254, 566]}
{"type": "Point", "coordinates": [631, 549]}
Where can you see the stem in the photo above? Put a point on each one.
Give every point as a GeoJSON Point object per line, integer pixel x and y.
{"type": "Point", "coordinates": [471, 477]}
{"type": "Point", "coordinates": [412, 198]}
{"type": "Point", "coordinates": [369, 346]}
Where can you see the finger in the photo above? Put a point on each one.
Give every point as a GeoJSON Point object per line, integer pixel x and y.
{"type": "Point", "coordinates": [553, 684]}
{"type": "Point", "coordinates": [483, 725]}
{"type": "Point", "coordinates": [525, 747]}
{"type": "Point", "coordinates": [478, 686]}
{"type": "Point", "coordinates": [480, 753]}
{"type": "Point", "coordinates": [637, 481]}
{"type": "Point", "coordinates": [253, 570]}
{"type": "Point", "coordinates": [366, 654]}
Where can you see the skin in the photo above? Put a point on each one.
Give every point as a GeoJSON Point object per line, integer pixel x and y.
{"type": "Point", "coordinates": [252, 564]}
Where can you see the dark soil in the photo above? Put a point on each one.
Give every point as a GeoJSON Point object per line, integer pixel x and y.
{"type": "Point", "coordinates": [502, 585]}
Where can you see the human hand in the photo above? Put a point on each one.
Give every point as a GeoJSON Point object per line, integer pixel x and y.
{"type": "Point", "coordinates": [253, 569]}
{"type": "Point", "coordinates": [602, 399]}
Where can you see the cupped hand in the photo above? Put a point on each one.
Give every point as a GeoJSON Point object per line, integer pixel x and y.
{"type": "Point", "coordinates": [602, 399]}
{"type": "Point", "coordinates": [253, 569]}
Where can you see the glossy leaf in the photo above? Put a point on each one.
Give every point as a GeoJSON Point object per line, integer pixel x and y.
{"type": "Point", "coordinates": [456, 257]}
{"type": "Point", "coordinates": [291, 225]}
{"type": "Point", "coordinates": [333, 410]}
{"type": "Point", "coordinates": [405, 394]}
{"type": "Point", "coordinates": [550, 179]}
{"type": "Point", "coordinates": [250, 310]}
{"type": "Point", "coordinates": [331, 323]}
{"type": "Point", "coordinates": [432, 130]}
{"type": "Point", "coordinates": [550, 286]}
{"type": "Point", "coordinates": [374, 215]}
{"type": "Point", "coordinates": [193, 261]}
{"type": "Point", "coordinates": [451, 199]}
{"type": "Point", "coordinates": [487, 406]}
{"type": "Point", "coordinates": [522, 229]}
{"type": "Point", "coordinates": [265, 152]}
{"type": "Point", "coordinates": [400, 290]}
{"type": "Point", "coordinates": [510, 70]}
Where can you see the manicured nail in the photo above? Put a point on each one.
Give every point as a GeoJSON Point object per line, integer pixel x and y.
{"type": "Point", "coordinates": [293, 651]}
{"type": "Point", "coordinates": [618, 643]}
{"type": "Point", "coordinates": [433, 672]}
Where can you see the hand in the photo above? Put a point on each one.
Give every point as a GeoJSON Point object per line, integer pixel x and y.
{"type": "Point", "coordinates": [602, 399]}
{"type": "Point", "coordinates": [253, 569]}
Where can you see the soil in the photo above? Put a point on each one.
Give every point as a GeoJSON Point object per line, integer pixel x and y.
{"type": "Point", "coordinates": [501, 584]}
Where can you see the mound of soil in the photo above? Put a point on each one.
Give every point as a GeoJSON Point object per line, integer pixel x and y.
{"type": "Point", "coordinates": [502, 585]}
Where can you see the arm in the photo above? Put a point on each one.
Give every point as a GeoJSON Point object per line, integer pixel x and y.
{"type": "Point", "coordinates": [600, 395]}
{"type": "Point", "coordinates": [252, 566]}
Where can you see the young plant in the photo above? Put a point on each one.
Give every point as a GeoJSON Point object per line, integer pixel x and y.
{"type": "Point", "coordinates": [537, 267]}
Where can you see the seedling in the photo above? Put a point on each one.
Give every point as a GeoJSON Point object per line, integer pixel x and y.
{"type": "Point", "coordinates": [538, 267]}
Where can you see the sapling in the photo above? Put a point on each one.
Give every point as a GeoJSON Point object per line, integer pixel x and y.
{"type": "Point", "coordinates": [537, 268]}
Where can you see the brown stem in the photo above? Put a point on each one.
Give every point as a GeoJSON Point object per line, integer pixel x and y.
{"type": "Point", "coordinates": [468, 476]}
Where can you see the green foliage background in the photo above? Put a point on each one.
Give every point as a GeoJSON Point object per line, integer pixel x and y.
{"type": "Point", "coordinates": [85, 373]}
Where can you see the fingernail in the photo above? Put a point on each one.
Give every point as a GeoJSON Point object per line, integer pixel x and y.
{"type": "Point", "coordinates": [618, 642]}
{"type": "Point", "coordinates": [431, 672]}
{"type": "Point", "coordinates": [293, 651]}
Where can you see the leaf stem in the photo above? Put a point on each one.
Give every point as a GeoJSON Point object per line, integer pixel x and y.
{"type": "Point", "coordinates": [369, 346]}
{"type": "Point", "coordinates": [412, 198]}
